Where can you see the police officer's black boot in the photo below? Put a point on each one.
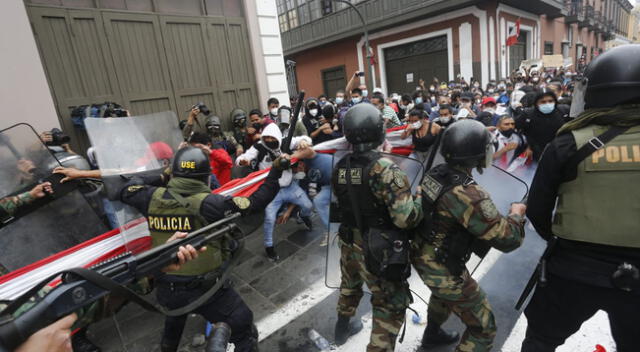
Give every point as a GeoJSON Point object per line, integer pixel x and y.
{"type": "Point", "coordinates": [346, 328]}
{"type": "Point", "coordinates": [81, 343]}
{"type": "Point", "coordinates": [434, 335]}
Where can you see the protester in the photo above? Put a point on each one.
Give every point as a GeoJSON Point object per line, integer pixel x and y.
{"type": "Point", "coordinates": [541, 122]}
{"type": "Point", "coordinates": [257, 124]}
{"type": "Point", "coordinates": [388, 115]}
{"type": "Point", "coordinates": [509, 144]}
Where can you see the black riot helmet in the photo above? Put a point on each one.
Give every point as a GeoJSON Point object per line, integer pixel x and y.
{"type": "Point", "coordinates": [191, 162]}
{"type": "Point", "coordinates": [213, 124]}
{"type": "Point", "coordinates": [613, 78]}
{"type": "Point", "coordinates": [467, 143]}
{"type": "Point", "coordinates": [363, 127]}
{"type": "Point", "coordinates": [239, 118]}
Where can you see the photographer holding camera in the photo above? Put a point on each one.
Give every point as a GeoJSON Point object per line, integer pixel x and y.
{"type": "Point", "coordinates": [56, 138]}
{"type": "Point", "coordinates": [190, 128]}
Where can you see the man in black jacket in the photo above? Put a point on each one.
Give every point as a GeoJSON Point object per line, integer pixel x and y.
{"type": "Point", "coordinates": [541, 122]}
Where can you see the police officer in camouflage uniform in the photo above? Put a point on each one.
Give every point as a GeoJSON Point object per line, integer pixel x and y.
{"type": "Point", "coordinates": [222, 139]}
{"type": "Point", "coordinates": [187, 204]}
{"type": "Point", "coordinates": [373, 189]}
{"type": "Point", "coordinates": [592, 169]}
{"type": "Point", "coordinates": [458, 217]}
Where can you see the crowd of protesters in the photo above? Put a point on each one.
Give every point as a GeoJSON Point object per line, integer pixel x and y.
{"type": "Point", "coordinates": [523, 112]}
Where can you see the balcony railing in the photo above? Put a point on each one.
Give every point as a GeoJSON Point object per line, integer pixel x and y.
{"type": "Point", "coordinates": [317, 24]}
{"type": "Point", "coordinates": [575, 12]}
{"type": "Point", "coordinates": [589, 17]}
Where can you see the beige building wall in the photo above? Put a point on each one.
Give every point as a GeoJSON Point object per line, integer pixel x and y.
{"type": "Point", "coordinates": [24, 92]}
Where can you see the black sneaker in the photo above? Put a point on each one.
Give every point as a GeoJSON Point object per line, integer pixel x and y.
{"type": "Point", "coordinates": [80, 342]}
{"type": "Point", "coordinates": [307, 222]}
{"type": "Point", "coordinates": [271, 254]}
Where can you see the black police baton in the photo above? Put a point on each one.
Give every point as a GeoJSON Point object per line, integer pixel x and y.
{"type": "Point", "coordinates": [286, 142]}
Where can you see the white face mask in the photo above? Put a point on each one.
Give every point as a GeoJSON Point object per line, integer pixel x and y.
{"type": "Point", "coordinates": [274, 111]}
{"type": "Point", "coordinates": [313, 112]}
{"type": "Point", "coordinates": [416, 125]}
{"type": "Point", "coordinates": [445, 120]}
{"type": "Point", "coordinates": [339, 100]}
{"type": "Point", "coordinates": [489, 110]}
{"type": "Point", "coordinates": [299, 175]}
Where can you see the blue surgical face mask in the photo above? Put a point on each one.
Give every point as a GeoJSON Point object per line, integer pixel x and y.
{"type": "Point", "coordinates": [419, 100]}
{"type": "Point", "coordinates": [339, 100]}
{"type": "Point", "coordinates": [356, 100]}
{"type": "Point", "coordinates": [365, 93]}
{"type": "Point", "coordinates": [546, 108]}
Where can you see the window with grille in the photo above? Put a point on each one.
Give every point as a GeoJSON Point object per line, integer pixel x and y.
{"type": "Point", "coordinates": [548, 48]}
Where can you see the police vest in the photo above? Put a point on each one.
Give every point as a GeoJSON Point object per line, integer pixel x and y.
{"type": "Point", "coordinates": [374, 213]}
{"type": "Point", "coordinates": [167, 215]}
{"type": "Point", "coordinates": [602, 204]}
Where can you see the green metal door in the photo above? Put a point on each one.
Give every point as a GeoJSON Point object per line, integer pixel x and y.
{"type": "Point", "coordinates": [146, 62]}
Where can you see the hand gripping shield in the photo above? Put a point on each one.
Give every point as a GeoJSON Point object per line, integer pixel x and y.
{"type": "Point", "coordinates": [39, 237]}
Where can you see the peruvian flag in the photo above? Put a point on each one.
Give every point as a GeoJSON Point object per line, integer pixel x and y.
{"type": "Point", "coordinates": [514, 33]}
{"type": "Point", "coordinates": [138, 238]}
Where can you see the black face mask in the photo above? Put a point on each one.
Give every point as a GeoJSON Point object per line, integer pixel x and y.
{"type": "Point", "coordinates": [508, 133]}
{"type": "Point", "coordinates": [256, 125]}
{"type": "Point", "coordinates": [273, 145]}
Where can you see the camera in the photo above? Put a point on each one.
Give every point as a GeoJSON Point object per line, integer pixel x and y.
{"type": "Point", "coordinates": [203, 108]}
{"type": "Point", "coordinates": [113, 110]}
{"type": "Point", "coordinates": [58, 137]}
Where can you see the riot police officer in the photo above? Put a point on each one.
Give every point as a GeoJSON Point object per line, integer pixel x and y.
{"type": "Point", "coordinates": [186, 204]}
{"type": "Point", "coordinates": [459, 216]}
{"type": "Point", "coordinates": [592, 169]}
{"type": "Point", "coordinates": [375, 201]}
{"type": "Point", "coordinates": [224, 140]}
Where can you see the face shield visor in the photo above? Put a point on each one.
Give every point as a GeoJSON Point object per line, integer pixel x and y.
{"type": "Point", "coordinates": [285, 116]}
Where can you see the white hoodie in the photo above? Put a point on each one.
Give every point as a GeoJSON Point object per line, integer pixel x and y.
{"type": "Point", "coordinates": [272, 130]}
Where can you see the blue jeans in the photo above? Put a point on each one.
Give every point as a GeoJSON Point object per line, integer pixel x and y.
{"type": "Point", "coordinates": [292, 194]}
{"type": "Point", "coordinates": [321, 203]}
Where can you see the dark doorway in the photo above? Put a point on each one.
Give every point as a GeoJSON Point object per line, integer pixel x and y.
{"type": "Point", "coordinates": [518, 51]}
{"type": "Point", "coordinates": [333, 79]}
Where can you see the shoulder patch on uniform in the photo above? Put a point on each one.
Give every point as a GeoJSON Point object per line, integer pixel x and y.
{"type": "Point", "coordinates": [243, 203]}
{"type": "Point", "coordinates": [488, 209]}
{"type": "Point", "coordinates": [398, 178]}
{"type": "Point", "coordinates": [431, 187]}
{"type": "Point", "coordinates": [135, 188]}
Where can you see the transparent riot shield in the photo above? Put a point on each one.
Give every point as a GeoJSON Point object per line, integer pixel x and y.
{"type": "Point", "coordinates": [414, 170]}
{"type": "Point", "coordinates": [55, 225]}
{"type": "Point", "coordinates": [128, 147]}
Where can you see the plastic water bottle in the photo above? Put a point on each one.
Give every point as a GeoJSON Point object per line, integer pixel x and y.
{"type": "Point", "coordinates": [319, 341]}
{"type": "Point", "coordinates": [418, 320]}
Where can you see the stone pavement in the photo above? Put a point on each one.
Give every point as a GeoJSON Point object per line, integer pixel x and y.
{"type": "Point", "coordinates": [264, 285]}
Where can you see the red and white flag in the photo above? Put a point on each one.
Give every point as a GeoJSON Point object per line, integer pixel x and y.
{"type": "Point", "coordinates": [514, 33]}
{"type": "Point", "coordinates": [138, 238]}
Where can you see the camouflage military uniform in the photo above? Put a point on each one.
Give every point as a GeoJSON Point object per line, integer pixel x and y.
{"type": "Point", "coordinates": [391, 186]}
{"type": "Point", "coordinates": [8, 207]}
{"type": "Point", "coordinates": [468, 209]}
